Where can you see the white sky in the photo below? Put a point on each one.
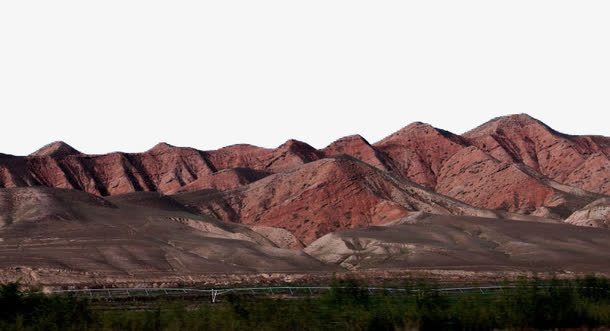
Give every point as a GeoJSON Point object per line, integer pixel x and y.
{"type": "Point", "coordinates": [124, 75]}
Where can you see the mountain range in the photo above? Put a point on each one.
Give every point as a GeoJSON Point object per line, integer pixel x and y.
{"type": "Point", "coordinates": [293, 202]}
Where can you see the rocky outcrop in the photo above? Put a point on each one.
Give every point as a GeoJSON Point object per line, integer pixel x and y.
{"type": "Point", "coordinates": [596, 214]}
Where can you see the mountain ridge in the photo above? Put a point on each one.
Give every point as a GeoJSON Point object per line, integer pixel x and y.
{"type": "Point", "coordinates": [512, 163]}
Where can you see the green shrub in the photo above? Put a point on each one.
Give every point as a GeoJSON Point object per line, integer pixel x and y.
{"type": "Point", "coordinates": [533, 304]}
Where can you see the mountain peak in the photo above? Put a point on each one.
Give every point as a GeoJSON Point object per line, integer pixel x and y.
{"type": "Point", "coordinates": [420, 129]}
{"type": "Point", "coordinates": [162, 146]}
{"type": "Point", "coordinates": [355, 138]}
{"type": "Point", "coordinates": [293, 144]}
{"type": "Point", "coordinates": [418, 126]}
{"type": "Point", "coordinates": [56, 148]}
{"type": "Point", "coordinates": [516, 119]}
{"type": "Point", "coordinates": [513, 121]}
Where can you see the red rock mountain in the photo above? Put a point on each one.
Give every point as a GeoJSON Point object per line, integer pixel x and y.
{"type": "Point", "coordinates": [419, 151]}
{"type": "Point", "coordinates": [581, 161]}
{"type": "Point", "coordinates": [512, 164]}
{"type": "Point", "coordinates": [57, 149]}
{"type": "Point", "coordinates": [359, 148]}
{"type": "Point", "coordinates": [324, 196]}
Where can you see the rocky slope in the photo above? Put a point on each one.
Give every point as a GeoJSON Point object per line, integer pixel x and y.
{"type": "Point", "coordinates": [419, 151]}
{"type": "Point", "coordinates": [432, 242]}
{"type": "Point", "coordinates": [580, 161]}
{"type": "Point", "coordinates": [477, 178]}
{"type": "Point", "coordinates": [359, 148]}
{"type": "Point", "coordinates": [327, 195]}
{"type": "Point", "coordinates": [58, 237]}
{"type": "Point", "coordinates": [141, 235]}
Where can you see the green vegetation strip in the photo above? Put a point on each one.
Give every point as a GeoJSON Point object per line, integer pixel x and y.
{"type": "Point", "coordinates": [346, 305]}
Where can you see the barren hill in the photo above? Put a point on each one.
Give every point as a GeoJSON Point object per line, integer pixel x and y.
{"type": "Point", "coordinates": [54, 233]}
{"type": "Point", "coordinates": [442, 242]}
